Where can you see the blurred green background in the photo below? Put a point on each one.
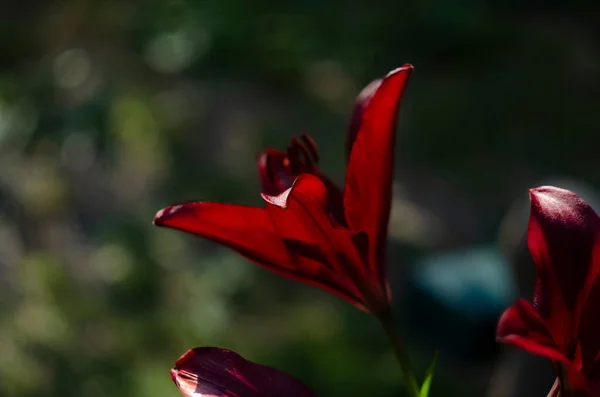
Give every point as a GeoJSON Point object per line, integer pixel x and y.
{"type": "Point", "coordinates": [110, 110]}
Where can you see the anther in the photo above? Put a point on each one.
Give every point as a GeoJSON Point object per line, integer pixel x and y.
{"type": "Point", "coordinates": [311, 145]}
{"type": "Point", "coordinates": [302, 154]}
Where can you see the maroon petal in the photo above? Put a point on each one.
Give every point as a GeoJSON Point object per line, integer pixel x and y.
{"type": "Point", "coordinates": [562, 234]}
{"type": "Point", "coordinates": [246, 230]}
{"type": "Point", "coordinates": [573, 383]}
{"type": "Point", "coordinates": [361, 103]}
{"type": "Point", "coordinates": [215, 372]}
{"type": "Point", "coordinates": [368, 186]}
{"type": "Point", "coordinates": [521, 326]}
{"type": "Point", "coordinates": [323, 251]}
{"type": "Point", "coordinates": [588, 334]}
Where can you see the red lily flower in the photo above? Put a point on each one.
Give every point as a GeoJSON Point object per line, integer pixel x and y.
{"type": "Point", "coordinates": [563, 324]}
{"type": "Point", "coordinates": [310, 231]}
{"type": "Point", "coordinates": [215, 372]}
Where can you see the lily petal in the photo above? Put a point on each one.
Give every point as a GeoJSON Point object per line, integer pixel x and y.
{"type": "Point", "coordinates": [522, 326]}
{"type": "Point", "coordinates": [247, 230]}
{"type": "Point", "coordinates": [589, 330]}
{"type": "Point", "coordinates": [215, 372]}
{"type": "Point", "coordinates": [561, 237]}
{"type": "Point", "coordinates": [361, 103]}
{"type": "Point", "coordinates": [573, 383]}
{"type": "Point", "coordinates": [318, 246]}
{"type": "Point", "coordinates": [368, 186]}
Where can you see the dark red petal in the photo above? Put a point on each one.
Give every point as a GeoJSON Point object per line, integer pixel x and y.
{"type": "Point", "coordinates": [215, 372]}
{"type": "Point", "coordinates": [361, 103]}
{"type": "Point", "coordinates": [368, 186]}
{"type": "Point", "coordinates": [521, 326]}
{"type": "Point", "coordinates": [246, 230]}
{"type": "Point", "coordinates": [275, 177]}
{"type": "Point", "coordinates": [323, 252]}
{"type": "Point", "coordinates": [573, 383]}
{"type": "Point", "coordinates": [562, 234]}
{"type": "Point", "coordinates": [589, 331]}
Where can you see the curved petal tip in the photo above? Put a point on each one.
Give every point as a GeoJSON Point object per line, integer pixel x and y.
{"type": "Point", "coordinates": [163, 215]}
{"type": "Point", "coordinates": [406, 68]}
{"type": "Point", "coordinates": [364, 98]}
{"type": "Point", "coordinates": [281, 200]}
{"type": "Point", "coordinates": [305, 185]}
{"type": "Point", "coordinates": [550, 191]}
{"type": "Point", "coordinates": [559, 205]}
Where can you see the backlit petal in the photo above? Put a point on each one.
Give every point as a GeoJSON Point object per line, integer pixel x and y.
{"type": "Point", "coordinates": [361, 103]}
{"type": "Point", "coordinates": [588, 334]}
{"type": "Point", "coordinates": [573, 383]}
{"type": "Point", "coordinates": [562, 234]}
{"type": "Point", "coordinates": [324, 253]}
{"type": "Point", "coordinates": [215, 372]}
{"type": "Point", "coordinates": [521, 326]}
{"type": "Point", "coordinates": [246, 230]}
{"type": "Point", "coordinates": [368, 185]}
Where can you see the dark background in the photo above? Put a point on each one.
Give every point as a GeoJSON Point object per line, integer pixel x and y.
{"type": "Point", "coordinates": [110, 110]}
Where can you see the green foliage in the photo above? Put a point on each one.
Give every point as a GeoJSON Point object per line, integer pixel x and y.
{"type": "Point", "coordinates": [429, 376]}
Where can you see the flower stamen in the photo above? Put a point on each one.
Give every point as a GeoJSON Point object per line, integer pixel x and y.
{"type": "Point", "coordinates": [302, 155]}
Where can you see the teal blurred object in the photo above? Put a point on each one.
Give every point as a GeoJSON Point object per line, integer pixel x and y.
{"type": "Point", "coordinates": [459, 296]}
{"type": "Point", "coordinates": [476, 282]}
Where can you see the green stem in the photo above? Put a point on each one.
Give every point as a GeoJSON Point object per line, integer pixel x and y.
{"type": "Point", "coordinates": [389, 325]}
